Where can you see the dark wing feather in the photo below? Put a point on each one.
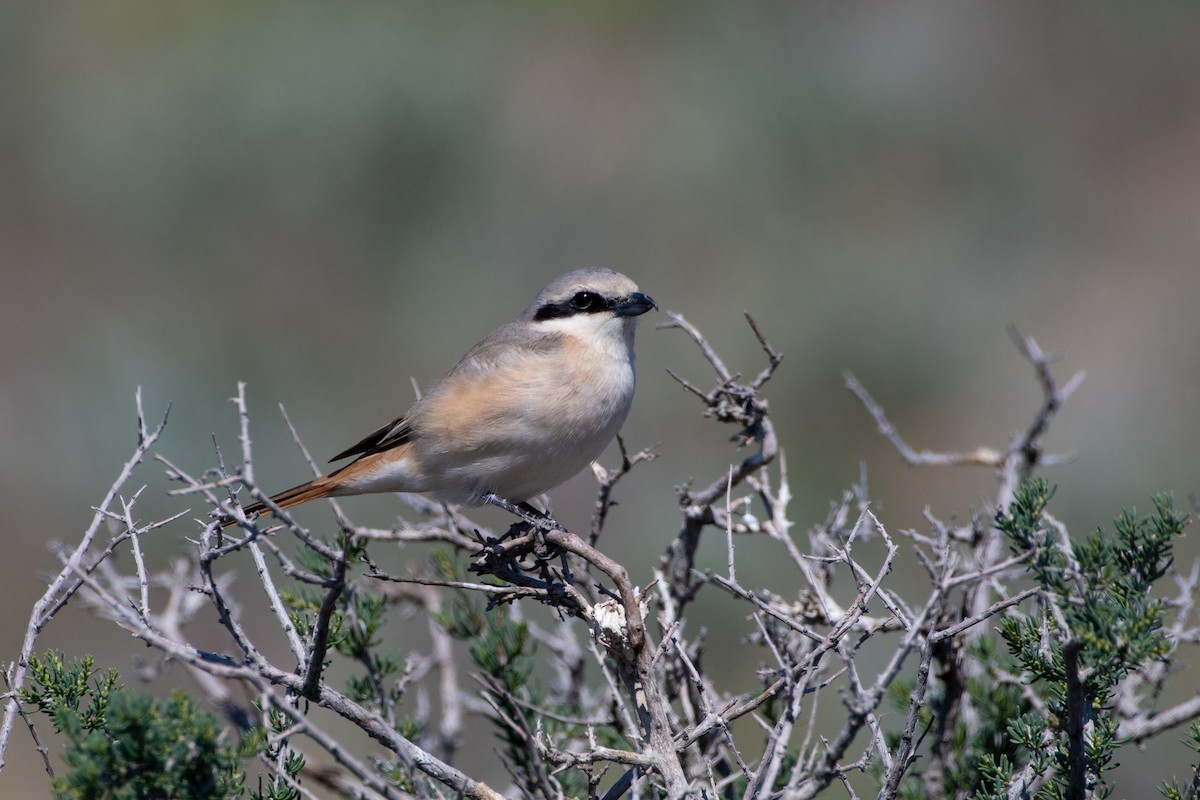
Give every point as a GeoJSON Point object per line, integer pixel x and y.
{"type": "Point", "coordinates": [391, 435]}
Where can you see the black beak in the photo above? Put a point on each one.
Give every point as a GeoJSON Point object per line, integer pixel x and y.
{"type": "Point", "coordinates": [637, 303]}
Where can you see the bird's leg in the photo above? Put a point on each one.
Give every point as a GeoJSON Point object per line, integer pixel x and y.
{"type": "Point", "coordinates": [530, 511]}
{"type": "Point", "coordinates": [538, 519]}
{"type": "Point", "coordinates": [527, 521]}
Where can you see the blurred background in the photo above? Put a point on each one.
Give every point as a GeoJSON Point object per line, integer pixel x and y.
{"type": "Point", "coordinates": [325, 202]}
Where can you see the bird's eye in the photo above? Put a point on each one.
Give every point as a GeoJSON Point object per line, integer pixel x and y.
{"type": "Point", "coordinates": [587, 301]}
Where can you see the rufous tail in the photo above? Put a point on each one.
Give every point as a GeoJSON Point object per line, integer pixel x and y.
{"type": "Point", "coordinates": [313, 490]}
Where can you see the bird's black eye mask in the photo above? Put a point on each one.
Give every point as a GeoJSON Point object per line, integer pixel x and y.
{"type": "Point", "coordinates": [581, 302]}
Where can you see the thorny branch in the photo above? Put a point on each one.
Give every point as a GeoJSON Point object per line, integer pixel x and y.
{"type": "Point", "coordinates": [66, 582]}
{"type": "Point", "coordinates": [634, 707]}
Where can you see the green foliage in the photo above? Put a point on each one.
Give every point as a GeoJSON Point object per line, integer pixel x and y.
{"type": "Point", "coordinates": [497, 643]}
{"type": "Point", "coordinates": [355, 626]}
{"type": "Point", "coordinates": [123, 745]}
{"type": "Point", "coordinates": [356, 633]}
{"type": "Point", "coordinates": [1099, 621]}
{"type": "Point", "coordinates": [1040, 694]}
{"type": "Point", "coordinates": [501, 647]}
{"type": "Point", "coordinates": [304, 604]}
{"type": "Point", "coordinates": [275, 748]}
{"type": "Point", "coordinates": [1000, 708]}
{"type": "Point", "coordinates": [62, 691]}
{"type": "Point", "coordinates": [1171, 789]}
{"type": "Point", "coordinates": [1109, 614]}
{"type": "Point", "coordinates": [400, 776]}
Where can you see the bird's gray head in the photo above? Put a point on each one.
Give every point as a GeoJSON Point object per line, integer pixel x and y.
{"type": "Point", "coordinates": [601, 293]}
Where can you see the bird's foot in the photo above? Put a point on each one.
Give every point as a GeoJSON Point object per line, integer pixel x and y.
{"type": "Point", "coordinates": [532, 521]}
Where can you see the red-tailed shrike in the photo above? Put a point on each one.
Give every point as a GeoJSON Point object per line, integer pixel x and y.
{"type": "Point", "coordinates": [524, 410]}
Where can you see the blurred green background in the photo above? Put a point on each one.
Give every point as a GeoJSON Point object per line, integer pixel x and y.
{"type": "Point", "coordinates": [326, 200]}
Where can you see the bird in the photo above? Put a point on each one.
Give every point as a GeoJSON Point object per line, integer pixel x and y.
{"type": "Point", "coordinates": [527, 408]}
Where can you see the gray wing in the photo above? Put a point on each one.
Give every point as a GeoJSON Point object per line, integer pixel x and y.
{"type": "Point", "coordinates": [512, 341]}
{"type": "Point", "coordinates": [515, 341]}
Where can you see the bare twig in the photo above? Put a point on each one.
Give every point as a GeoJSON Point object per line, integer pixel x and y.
{"type": "Point", "coordinates": [54, 597]}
